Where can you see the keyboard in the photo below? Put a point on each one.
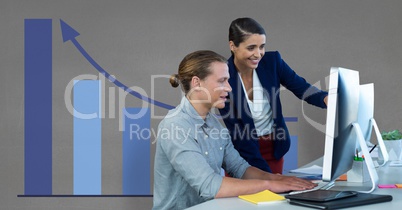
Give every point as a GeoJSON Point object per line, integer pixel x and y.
{"type": "Point", "coordinates": [320, 186]}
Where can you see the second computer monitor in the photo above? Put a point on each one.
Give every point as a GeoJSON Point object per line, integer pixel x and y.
{"type": "Point", "coordinates": [366, 109]}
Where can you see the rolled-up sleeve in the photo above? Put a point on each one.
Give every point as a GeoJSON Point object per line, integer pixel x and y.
{"type": "Point", "coordinates": [181, 148]}
{"type": "Point", "coordinates": [233, 163]}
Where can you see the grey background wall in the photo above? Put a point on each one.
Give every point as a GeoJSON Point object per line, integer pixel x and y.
{"type": "Point", "coordinates": [136, 40]}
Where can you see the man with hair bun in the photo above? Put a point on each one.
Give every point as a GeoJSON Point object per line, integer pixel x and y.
{"type": "Point", "coordinates": [192, 145]}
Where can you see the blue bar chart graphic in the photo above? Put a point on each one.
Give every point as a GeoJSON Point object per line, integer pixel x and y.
{"type": "Point", "coordinates": [87, 127]}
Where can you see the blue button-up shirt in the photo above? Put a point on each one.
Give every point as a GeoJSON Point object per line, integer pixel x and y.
{"type": "Point", "coordinates": [190, 153]}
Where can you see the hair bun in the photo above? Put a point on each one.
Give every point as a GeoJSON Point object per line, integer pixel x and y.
{"type": "Point", "coordinates": [174, 80]}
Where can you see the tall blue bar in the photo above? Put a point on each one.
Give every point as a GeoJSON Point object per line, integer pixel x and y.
{"type": "Point", "coordinates": [38, 107]}
{"type": "Point", "coordinates": [87, 138]}
{"type": "Point", "coordinates": [136, 151]}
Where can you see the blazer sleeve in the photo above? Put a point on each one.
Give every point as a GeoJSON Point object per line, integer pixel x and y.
{"type": "Point", "coordinates": [298, 85]}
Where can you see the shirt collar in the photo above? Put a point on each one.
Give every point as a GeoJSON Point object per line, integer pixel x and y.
{"type": "Point", "coordinates": [187, 108]}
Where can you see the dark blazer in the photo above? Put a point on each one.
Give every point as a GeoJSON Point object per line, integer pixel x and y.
{"type": "Point", "coordinates": [272, 72]}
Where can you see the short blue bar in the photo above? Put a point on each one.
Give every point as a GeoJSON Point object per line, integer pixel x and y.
{"type": "Point", "coordinates": [136, 151]}
{"type": "Point", "coordinates": [38, 107]}
{"type": "Point", "coordinates": [291, 157]}
{"type": "Point", "coordinates": [87, 138]}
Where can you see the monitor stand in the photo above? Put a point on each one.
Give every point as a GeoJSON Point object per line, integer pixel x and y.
{"type": "Point", "coordinates": [380, 141]}
{"type": "Point", "coordinates": [364, 187]}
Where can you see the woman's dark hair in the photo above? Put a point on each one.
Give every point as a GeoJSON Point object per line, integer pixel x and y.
{"type": "Point", "coordinates": [241, 28]}
{"type": "Point", "coordinates": [195, 64]}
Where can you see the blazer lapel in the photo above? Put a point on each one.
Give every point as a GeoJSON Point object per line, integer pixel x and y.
{"type": "Point", "coordinates": [267, 82]}
{"type": "Point", "coordinates": [239, 98]}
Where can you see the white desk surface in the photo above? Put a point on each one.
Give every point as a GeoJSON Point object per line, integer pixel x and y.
{"type": "Point", "coordinates": [386, 174]}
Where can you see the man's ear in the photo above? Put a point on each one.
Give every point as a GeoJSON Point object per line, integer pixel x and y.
{"type": "Point", "coordinates": [195, 82]}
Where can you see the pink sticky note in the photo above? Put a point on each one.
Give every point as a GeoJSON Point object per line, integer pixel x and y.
{"type": "Point", "coordinates": [386, 186]}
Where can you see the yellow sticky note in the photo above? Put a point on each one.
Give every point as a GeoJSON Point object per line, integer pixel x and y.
{"type": "Point", "coordinates": [262, 197]}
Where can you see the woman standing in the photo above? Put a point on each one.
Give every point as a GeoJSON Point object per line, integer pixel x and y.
{"type": "Point", "coordinates": [254, 114]}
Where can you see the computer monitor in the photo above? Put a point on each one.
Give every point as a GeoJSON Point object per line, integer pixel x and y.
{"type": "Point", "coordinates": [343, 132]}
{"type": "Point", "coordinates": [342, 110]}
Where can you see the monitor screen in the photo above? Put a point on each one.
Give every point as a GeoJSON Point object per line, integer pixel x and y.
{"type": "Point", "coordinates": [342, 111]}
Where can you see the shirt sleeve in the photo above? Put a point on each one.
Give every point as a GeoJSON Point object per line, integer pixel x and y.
{"type": "Point", "coordinates": [178, 142]}
{"type": "Point", "coordinates": [233, 163]}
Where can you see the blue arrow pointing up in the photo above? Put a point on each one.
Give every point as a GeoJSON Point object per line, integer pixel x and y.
{"type": "Point", "coordinates": [69, 34]}
{"type": "Point", "coordinates": [67, 31]}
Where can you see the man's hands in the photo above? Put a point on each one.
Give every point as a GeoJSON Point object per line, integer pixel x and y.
{"type": "Point", "coordinates": [280, 184]}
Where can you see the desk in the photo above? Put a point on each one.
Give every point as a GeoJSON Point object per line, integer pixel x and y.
{"type": "Point", "coordinates": [386, 174]}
